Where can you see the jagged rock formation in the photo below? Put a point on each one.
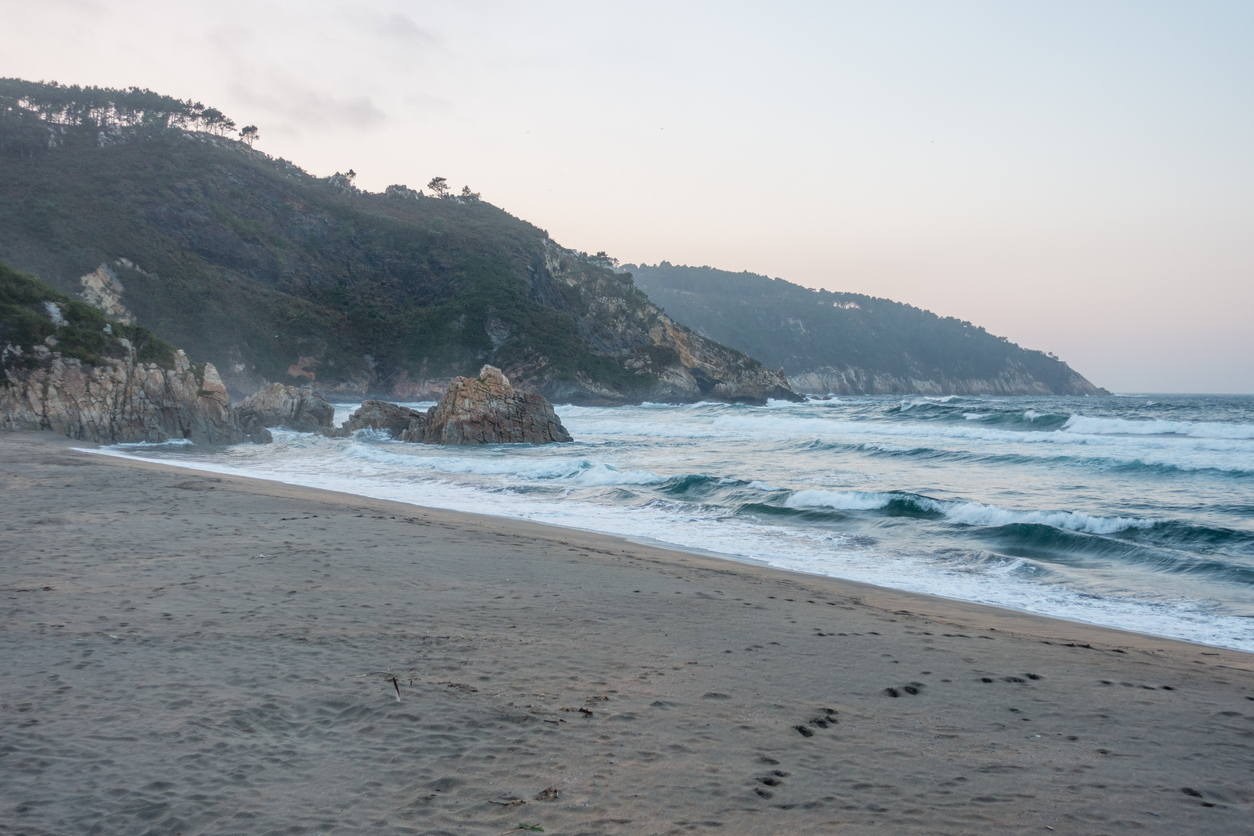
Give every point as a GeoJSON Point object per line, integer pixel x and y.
{"type": "Point", "coordinates": [121, 400]}
{"type": "Point", "coordinates": [482, 410]}
{"type": "Point", "coordinates": [300, 409]}
{"type": "Point", "coordinates": [66, 367]}
{"type": "Point", "coordinates": [487, 410]}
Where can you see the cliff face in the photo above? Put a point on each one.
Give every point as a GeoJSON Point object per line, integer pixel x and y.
{"type": "Point", "coordinates": [120, 400]}
{"type": "Point", "coordinates": [623, 323]}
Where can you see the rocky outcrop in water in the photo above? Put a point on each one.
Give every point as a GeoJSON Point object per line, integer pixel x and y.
{"type": "Point", "coordinates": [475, 410]}
{"type": "Point", "coordinates": [487, 410]}
{"type": "Point", "coordinates": [116, 400]}
{"type": "Point", "coordinates": [294, 408]}
{"type": "Point", "coordinates": [398, 421]}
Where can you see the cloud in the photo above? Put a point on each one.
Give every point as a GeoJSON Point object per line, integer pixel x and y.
{"type": "Point", "coordinates": [228, 38]}
{"type": "Point", "coordinates": [430, 104]}
{"type": "Point", "coordinates": [402, 28]}
{"type": "Point", "coordinates": [308, 107]}
{"type": "Point", "coordinates": [77, 6]}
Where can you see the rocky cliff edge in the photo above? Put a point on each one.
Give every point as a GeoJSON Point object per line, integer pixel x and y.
{"type": "Point", "coordinates": [118, 401]}
{"type": "Point", "coordinates": [66, 367]}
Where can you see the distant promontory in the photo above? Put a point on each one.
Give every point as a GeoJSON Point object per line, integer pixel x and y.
{"type": "Point", "coordinates": [849, 343]}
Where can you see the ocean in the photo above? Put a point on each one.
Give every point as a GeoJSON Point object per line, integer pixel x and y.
{"type": "Point", "coordinates": [1135, 512]}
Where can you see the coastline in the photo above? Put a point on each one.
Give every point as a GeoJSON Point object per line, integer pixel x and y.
{"type": "Point", "coordinates": [234, 640]}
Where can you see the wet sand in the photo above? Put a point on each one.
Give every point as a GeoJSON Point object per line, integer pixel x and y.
{"type": "Point", "coordinates": [184, 653]}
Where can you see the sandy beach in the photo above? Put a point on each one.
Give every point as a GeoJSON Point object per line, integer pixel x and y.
{"type": "Point", "coordinates": [185, 653]}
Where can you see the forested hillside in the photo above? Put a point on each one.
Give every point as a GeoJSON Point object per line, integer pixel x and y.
{"type": "Point", "coordinates": [848, 343]}
{"type": "Point", "coordinates": [147, 207]}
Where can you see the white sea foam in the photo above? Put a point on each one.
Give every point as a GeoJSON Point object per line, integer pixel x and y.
{"type": "Point", "coordinates": [926, 400]}
{"type": "Point", "coordinates": [516, 466]}
{"type": "Point", "coordinates": [1205, 448]}
{"type": "Point", "coordinates": [1127, 426]}
{"type": "Point", "coordinates": [839, 500]}
{"type": "Point", "coordinates": [602, 476]}
{"type": "Point", "coordinates": [173, 442]}
{"type": "Point", "coordinates": [888, 448]}
{"type": "Point", "coordinates": [974, 513]}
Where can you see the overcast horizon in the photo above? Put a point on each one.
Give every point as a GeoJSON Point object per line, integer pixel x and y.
{"type": "Point", "coordinates": [1075, 177]}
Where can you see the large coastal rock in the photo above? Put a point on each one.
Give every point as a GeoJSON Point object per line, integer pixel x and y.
{"type": "Point", "coordinates": [115, 401]}
{"type": "Point", "coordinates": [290, 407]}
{"type": "Point", "coordinates": [479, 410]}
{"type": "Point", "coordinates": [487, 410]}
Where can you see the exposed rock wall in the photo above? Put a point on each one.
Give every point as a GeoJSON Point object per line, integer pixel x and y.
{"type": "Point", "coordinates": [102, 289]}
{"type": "Point", "coordinates": [621, 322]}
{"type": "Point", "coordinates": [709, 370]}
{"type": "Point", "coordinates": [120, 400]}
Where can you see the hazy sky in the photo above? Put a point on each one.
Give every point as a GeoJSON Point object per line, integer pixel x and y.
{"type": "Point", "coordinates": [1076, 176]}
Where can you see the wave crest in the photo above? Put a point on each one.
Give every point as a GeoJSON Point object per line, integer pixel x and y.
{"type": "Point", "coordinates": [965, 513]}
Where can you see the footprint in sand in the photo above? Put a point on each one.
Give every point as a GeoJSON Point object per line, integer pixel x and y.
{"type": "Point", "coordinates": [913, 689]}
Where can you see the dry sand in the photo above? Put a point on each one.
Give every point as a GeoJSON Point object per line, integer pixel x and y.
{"type": "Point", "coordinates": [184, 653]}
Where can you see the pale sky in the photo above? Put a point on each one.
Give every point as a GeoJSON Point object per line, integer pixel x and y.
{"type": "Point", "coordinates": [1076, 176]}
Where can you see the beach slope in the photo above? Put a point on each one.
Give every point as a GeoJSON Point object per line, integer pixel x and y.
{"type": "Point", "coordinates": [185, 653]}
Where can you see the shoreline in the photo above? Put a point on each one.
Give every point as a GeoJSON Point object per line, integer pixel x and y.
{"type": "Point", "coordinates": [209, 653]}
{"type": "Point", "coordinates": [678, 549]}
